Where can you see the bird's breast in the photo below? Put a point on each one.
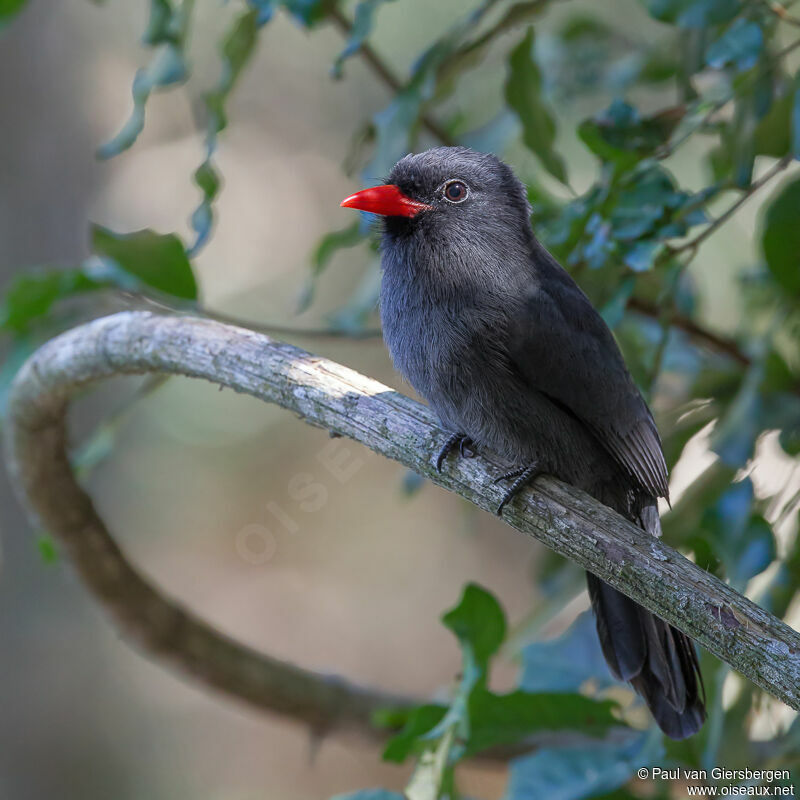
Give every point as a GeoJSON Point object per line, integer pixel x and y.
{"type": "Point", "coordinates": [449, 347]}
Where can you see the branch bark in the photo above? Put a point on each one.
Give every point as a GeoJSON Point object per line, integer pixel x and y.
{"type": "Point", "coordinates": [333, 397]}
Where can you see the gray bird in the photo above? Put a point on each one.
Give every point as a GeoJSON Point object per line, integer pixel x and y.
{"type": "Point", "coordinates": [511, 355]}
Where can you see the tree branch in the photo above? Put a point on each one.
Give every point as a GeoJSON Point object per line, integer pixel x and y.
{"type": "Point", "coordinates": [696, 331]}
{"type": "Point", "coordinates": [340, 400]}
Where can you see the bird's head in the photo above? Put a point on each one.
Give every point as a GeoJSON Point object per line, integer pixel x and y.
{"type": "Point", "coordinates": [450, 194]}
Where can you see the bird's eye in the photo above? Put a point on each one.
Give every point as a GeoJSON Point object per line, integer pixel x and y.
{"type": "Point", "coordinates": [455, 191]}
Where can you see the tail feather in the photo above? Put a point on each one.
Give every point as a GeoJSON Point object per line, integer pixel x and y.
{"type": "Point", "coordinates": [659, 661]}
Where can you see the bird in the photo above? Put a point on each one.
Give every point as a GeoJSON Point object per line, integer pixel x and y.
{"type": "Point", "coordinates": [513, 358]}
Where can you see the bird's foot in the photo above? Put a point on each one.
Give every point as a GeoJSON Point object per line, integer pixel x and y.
{"type": "Point", "coordinates": [462, 441]}
{"type": "Point", "coordinates": [523, 476]}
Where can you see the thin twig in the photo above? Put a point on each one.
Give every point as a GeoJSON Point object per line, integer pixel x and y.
{"type": "Point", "coordinates": [716, 342]}
{"type": "Point", "coordinates": [781, 12]}
{"type": "Point", "coordinates": [693, 244]}
{"type": "Point", "coordinates": [175, 305]}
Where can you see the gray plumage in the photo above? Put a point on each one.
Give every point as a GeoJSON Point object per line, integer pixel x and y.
{"type": "Point", "coordinates": [509, 352]}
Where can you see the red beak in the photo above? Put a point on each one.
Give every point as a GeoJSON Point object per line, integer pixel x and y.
{"type": "Point", "coordinates": [386, 200]}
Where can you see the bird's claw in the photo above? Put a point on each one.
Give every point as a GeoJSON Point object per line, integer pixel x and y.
{"type": "Point", "coordinates": [462, 441]}
{"type": "Point", "coordinates": [522, 476]}
{"type": "Point", "coordinates": [513, 473]}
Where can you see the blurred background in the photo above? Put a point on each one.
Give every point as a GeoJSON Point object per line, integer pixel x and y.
{"type": "Point", "coordinates": [359, 586]}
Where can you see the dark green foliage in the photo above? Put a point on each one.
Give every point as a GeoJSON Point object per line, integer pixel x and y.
{"type": "Point", "coordinates": [583, 771]}
{"type": "Point", "coordinates": [794, 98]}
{"type": "Point", "coordinates": [156, 260]}
{"type": "Point", "coordinates": [694, 13]}
{"type": "Point", "coordinates": [31, 296]}
{"type": "Point", "coordinates": [167, 30]}
{"type": "Point", "coordinates": [8, 8]}
{"type": "Point", "coordinates": [236, 48]}
{"type": "Point", "coordinates": [479, 624]}
{"type": "Point", "coordinates": [566, 663]}
{"type": "Point", "coordinates": [740, 46]}
{"type": "Point", "coordinates": [363, 21]}
{"type": "Point", "coordinates": [524, 96]}
{"type": "Point", "coordinates": [47, 550]}
{"type": "Point", "coordinates": [781, 237]}
{"type": "Point", "coordinates": [481, 718]}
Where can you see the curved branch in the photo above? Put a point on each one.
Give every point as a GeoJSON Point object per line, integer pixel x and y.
{"type": "Point", "coordinates": [342, 401]}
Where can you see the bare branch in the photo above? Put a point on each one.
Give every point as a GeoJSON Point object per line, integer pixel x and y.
{"type": "Point", "coordinates": [337, 399]}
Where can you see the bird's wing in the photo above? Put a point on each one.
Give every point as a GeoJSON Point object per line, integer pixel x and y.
{"type": "Point", "coordinates": [564, 349]}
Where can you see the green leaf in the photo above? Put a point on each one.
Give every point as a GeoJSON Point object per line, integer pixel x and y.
{"type": "Point", "coordinates": [621, 136]}
{"type": "Point", "coordinates": [166, 69]}
{"type": "Point", "coordinates": [573, 773]}
{"type": "Point", "coordinates": [370, 794]}
{"type": "Point", "coordinates": [789, 440]}
{"type": "Point", "coordinates": [157, 260]}
{"type": "Point", "coordinates": [784, 585]}
{"type": "Point", "coordinates": [780, 237]}
{"type": "Point", "coordinates": [694, 13]}
{"type": "Point", "coordinates": [265, 10]}
{"type": "Point", "coordinates": [31, 296]}
{"type": "Point", "coordinates": [167, 30]}
{"type": "Point", "coordinates": [734, 437]}
{"type": "Point", "coordinates": [412, 483]}
{"type": "Point", "coordinates": [332, 242]}
{"type": "Point", "coordinates": [684, 423]}
{"type": "Point", "coordinates": [307, 12]}
{"type": "Point", "coordinates": [419, 721]}
{"type": "Point", "coordinates": [740, 46]}
{"type": "Point", "coordinates": [16, 355]}
{"type": "Point", "coordinates": [736, 535]}
{"type": "Point", "coordinates": [363, 21]}
{"type": "Point", "coordinates": [237, 48]}
{"type": "Point", "coordinates": [642, 256]}
{"type": "Point", "coordinates": [523, 92]}
{"type": "Point", "coordinates": [614, 309]}
{"type": "Point", "coordinates": [497, 719]}
{"type": "Point", "coordinates": [479, 623]}
{"type": "Point", "coordinates": [752, 552]}
{"type": "Point", "coordinates": [753, 101]}
{"type": "Point", "coordinates": [564, 664]}
{"type": "Point", "coordinates": [8, 9]}
{"type": "Point", "coordinates": [159, 23]}
{"type": "Point", "coordinates": [432, 778]}
{"type": "Point", "coordinates": [773, 133]}
{"type": "Point", "coordinates": [351, 318]}
{"type": "Point", "coordinates": [796, 116]}
{"type": "Point", "coordinates": [48, 552]}
{"type": "Point", "coordinates": [395, 127]}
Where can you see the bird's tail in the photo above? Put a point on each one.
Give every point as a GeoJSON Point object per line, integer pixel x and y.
{"type": "Point", "coordinates": [659, 661]}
